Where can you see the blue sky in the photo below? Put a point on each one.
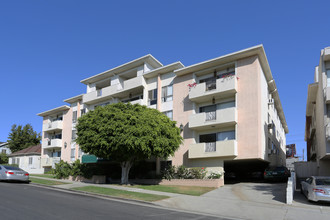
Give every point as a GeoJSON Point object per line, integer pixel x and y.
{"type": "Point", "coordinates": [47, 47]}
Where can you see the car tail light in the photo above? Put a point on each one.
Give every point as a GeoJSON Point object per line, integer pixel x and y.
{"type": "Point", "coordinates": [319, 191]}
{"type": "Point", "coordinates": [26, 174]}
{"type": "Point", "coordinates": [9, 172]}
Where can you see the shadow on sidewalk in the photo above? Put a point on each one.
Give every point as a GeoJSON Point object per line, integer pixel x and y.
{"type": "Point", "coordinates": [277, 190]}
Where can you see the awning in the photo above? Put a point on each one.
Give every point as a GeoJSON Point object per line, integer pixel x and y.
{"type": "Point", "coordinates": [88, 158]}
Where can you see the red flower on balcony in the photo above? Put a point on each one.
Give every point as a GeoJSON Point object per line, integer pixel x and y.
{"type": "Point", "coordinates": [192, 85]}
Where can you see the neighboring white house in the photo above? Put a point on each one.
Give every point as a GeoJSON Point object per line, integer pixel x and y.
{"type": "Point", "coordinates": [28, 159]}
{"type": "Point", "coordinates": [4, 148]}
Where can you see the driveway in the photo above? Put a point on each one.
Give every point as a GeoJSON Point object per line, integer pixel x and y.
{"type": "Point", "coordinates": [266, 193]}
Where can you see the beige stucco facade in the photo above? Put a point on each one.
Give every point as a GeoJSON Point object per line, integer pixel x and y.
{"type": "Point", "coordinates": [317, 130]}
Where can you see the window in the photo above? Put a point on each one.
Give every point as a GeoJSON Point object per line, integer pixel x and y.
{"type": "Point", "coordinates": [211, 83]}
{"type": "Point", "coordinates": [17, 161]}
{"type": "Point", "coordinates": [210, 112]}
{"type": "Point", "coordinates": [56, 154]}
{"type": "Point", "coordinates": [209, 108]}
{"type": "Point", "coordinates": [82, 112]}
{"type": "Point", "coordinates": [57, 136]}
{"type": "Point", "coordinates": [328, 77]}
{"type": "Point", "coordinates": [227, 74]}
{"type": "Point", "coordinates": [220, 136]}
{"type": "Point", "coordinates": [74, 134]}
{"type": "Point", "coordinates": [169, 114]}
{"type": "Point", "coordinates": [13, 161]}
{"type": "Point", "coordinates": [74, 116]}
{"type": "Point", "coordinates": [3, 151]}
{"type": "Point", "coordinates": [226, 135]}
{"type": "Point", "coordinates": [152, 95]}
{"type": "Point", "coordinates": [225, 105]}
{"type": "Point", "coordinates": [167, 93]}
{"type": "Point", "coordinates": [207, 138]}
{"type": "Point", "coordinates": [73, 152]}
{"type": "Point", "coordinates": [30, 160]}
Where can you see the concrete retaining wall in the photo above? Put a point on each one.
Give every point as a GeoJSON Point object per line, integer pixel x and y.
{"type": "Point", "coordinates": [95, 179]}
{"type": "Point", "coordinates": [182, 182]}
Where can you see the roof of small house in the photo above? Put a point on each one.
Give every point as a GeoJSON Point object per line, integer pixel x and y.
{"type": "Point", "coordinates": [33, 150]}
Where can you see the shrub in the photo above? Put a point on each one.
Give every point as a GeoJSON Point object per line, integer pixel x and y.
{"type": "Point", "coordinates": [62, 170]}
{"type": "Point", "coordinates": [214, 175]}
{"type": "Point", "coordinates": [197, 172]}
{"type": "Point", "coordinates": [182, 172]}
{"type": "Point", "coordinates": [76, 169]}
{"type": "Point", "coordinates": [3, 158]}
{"type": "Point", "coordinates": [169, 172]}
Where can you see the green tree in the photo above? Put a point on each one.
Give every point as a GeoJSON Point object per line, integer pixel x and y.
{"type": "Point", "coordinates": [127, 133]}
{"type": "Point", "coordinates": [22, 137]}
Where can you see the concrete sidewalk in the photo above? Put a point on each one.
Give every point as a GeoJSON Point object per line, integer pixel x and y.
{"type": "Point", "coordinates": [74, 184]}
{"type": "Point", "coordinates": [238, 202]}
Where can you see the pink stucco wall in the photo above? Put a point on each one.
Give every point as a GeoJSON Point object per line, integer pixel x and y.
{"type": "Point", "coordinates": [249, 108]}
{"type": "Point", "coordinates": [66, 135]}
{"type": "Point", "coordinates": [182, 108]}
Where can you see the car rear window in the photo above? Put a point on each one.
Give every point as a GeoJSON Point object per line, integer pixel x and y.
{"type": "Point", "coordinates": [324, 182]}
{"type": "Point", "coordinates": [11, 168]}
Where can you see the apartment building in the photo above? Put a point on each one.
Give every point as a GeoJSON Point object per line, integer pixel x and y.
{"type": "Point", "coordinates": [228, 107]}
{"type": "Point", "coordinates": [317, 130]}
{"type": "Point", "coordinates": [231, 112]}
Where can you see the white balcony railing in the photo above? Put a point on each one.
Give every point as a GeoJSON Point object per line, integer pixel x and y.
{"type": "Point", "coordinates": [53, 143]}
{"type": "Point", "coordinates": [204, 91]}
{"type": "Point", "coordinates": [210, 147]}
{"type": "Point", "coordinates": [113, 90]}
{"type": "Point", "coordinates": [215, 149]}
{"type": "Point", "coordinates": [222, 117]}
{"type": "Point", "coordinates": [209, 116]}
{"type": "Point", "coordinates": [51, 126]}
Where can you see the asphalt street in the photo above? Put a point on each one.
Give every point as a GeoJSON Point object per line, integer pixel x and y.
{"type": "Point", "coordinates": [24, 201]}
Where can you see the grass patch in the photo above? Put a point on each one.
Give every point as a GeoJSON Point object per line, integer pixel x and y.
{"type": "Point", "coordinates": [46, 182]}
{"type": "Point", "coordinates": [44, 175]}
{"type": "Point", "coordinates": [121, 193]}
{"type": "Point", "coordinates": [186, 190]}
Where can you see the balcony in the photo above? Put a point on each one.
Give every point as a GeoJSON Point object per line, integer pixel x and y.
{"type": "Point", "coordinates": [53, 143]}
{"type": "Point", "coordinates": [139, 101]}
{"type": "Point", "coordinates": [50, 161]}
{"type": "Point", "coordinates": [327, 132]}
{"type": "Point", "coordinates": [326, 54]}
{"type": "Point", "coordinates": [115, 91]}
{"type": "Point", "coordinates": [327, 96]}
{"type": "Point", "coordinates": [222, 87]}
{"type": "Point", "coordinates": [54, 126]}
{"type": "Point", "coordinates": [208, 120]}
{"type": "Point", "coordinates": [215, 149]}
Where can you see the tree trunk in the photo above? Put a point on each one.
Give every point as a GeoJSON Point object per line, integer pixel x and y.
{"type": "Point", "coordinates": [125, 167]}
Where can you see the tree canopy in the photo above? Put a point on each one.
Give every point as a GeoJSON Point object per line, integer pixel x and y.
{"type": "Point", "coordinates": [126, 133]}
{"type": "Point", "coordinates": [22, 137]}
